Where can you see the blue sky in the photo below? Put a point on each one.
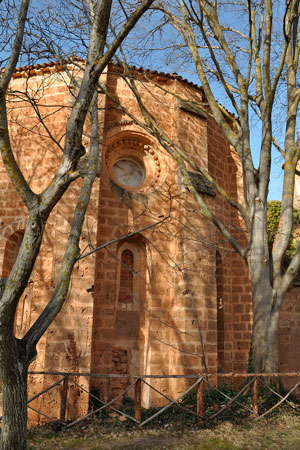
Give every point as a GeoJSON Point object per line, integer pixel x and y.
{"type": "Point", "coordinates": [276, 178]}
{"type": "Point", "coordinates": [162, 60]}
{"type": "Point", "coordinates": [165, 60]}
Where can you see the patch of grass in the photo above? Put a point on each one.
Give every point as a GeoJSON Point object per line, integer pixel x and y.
{"type": "Point", "coordinates": [277, 433]}
{"type": "Point", "coordinates": [213, 444]}
{"type": "Point", "coordinates": [49, 435]}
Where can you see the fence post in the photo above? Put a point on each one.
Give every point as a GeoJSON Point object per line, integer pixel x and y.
{"type": "Point", "coordinates": [138, 399]}
{"type": "Point", "coordinates": [64, 394]}
{"type": "Point", "coordinates": [200, 400]}
{"type": "Point", "coordinates": [255, 396]}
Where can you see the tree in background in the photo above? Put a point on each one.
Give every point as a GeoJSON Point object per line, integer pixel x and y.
{"type": "Point", "coordinates": [273, 219]}
{"type": "Point", "coordinates": [30, 33]}
{"type": "Point", "coordinates": [246, 55]}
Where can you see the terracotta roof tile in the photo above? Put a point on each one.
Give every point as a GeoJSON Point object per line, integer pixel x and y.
{"type": "Point", "coordinates": [140, 70]}
{"type": "Point", "coordinates": [46, 66]}
{"type": "Point", "coordinates": [154, 73]}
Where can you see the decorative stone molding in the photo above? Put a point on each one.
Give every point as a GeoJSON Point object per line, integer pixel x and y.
{"type": "Point", "coordinates": [133, 163]}
{"type": "Point", "coordinates": [120, 123]}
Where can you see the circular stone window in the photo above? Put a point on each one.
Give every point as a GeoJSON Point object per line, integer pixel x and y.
{"type": "Point", "coordinates": [129, 172]}
{"type": "Point", "coordinates": [133, 163]}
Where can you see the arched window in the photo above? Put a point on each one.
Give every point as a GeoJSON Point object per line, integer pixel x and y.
{"type": "Point", "coordinates": [11, 252]}
{"type": "Point", "coordinates": [126, 277]}
{"type": "Point", "coordinates": [22, 317]}
{"type": "Point", "coordinates": [130, 292]}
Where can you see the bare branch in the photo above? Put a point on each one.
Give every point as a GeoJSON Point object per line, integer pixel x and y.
{"type": "Point", "coordinates": [72, 249]}
{"type": "Point", "coordinates": [6, 76]}
{"type": "Point", "coordinates": [9, 161]}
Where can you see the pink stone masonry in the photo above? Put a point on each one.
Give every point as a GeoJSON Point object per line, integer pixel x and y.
{"type": "Point", "coordinates": [144, 304]}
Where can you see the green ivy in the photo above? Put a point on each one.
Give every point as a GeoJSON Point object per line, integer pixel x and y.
{"type": "Point", "coordinates": [273, 217]}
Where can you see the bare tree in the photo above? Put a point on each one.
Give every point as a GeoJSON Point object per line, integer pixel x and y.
{"type": "Point", "coordinates": [16, 354]}
{"type": "Point", "coordinates": [245, 55]}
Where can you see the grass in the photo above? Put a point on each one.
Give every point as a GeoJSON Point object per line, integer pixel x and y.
{"type": "Point", "coordinates": [281, 432]}
{"type": "Point", "coordinates": [177, 429]}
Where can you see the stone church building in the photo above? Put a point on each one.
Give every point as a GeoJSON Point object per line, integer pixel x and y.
{"type": "Point", "coordinates": [167, 295]}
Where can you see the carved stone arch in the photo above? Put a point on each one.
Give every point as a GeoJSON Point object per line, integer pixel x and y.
{"type": "Point", "coordinates": [141, 158]}
{"type": "Point", "coordinates": [9, 229]}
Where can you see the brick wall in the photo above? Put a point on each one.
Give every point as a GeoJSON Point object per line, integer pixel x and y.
{"type": "Point", "coordinates": [66, 345]}
{"type": "Point", "coordinates": [289, 336]}
{"type": "Point", "coordinates": [234, 302]}
{"type": "Point", "coordinates": [149, 303]}
{"type": "Point", "coordinates": [176, 285]}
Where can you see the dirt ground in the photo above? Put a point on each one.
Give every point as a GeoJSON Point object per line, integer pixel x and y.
{"type": "Point", "coordinates": [278, 433]}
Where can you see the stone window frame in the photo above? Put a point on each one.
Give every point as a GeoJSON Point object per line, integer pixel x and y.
{"type": "Point", "coordinates": [135, 249]}
{"type": "Point", "coordinates": [139, 148]}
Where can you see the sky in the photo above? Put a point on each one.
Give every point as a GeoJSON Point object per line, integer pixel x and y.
{"type": "Point", "coordinates": [149, 54]}
{"type": "Point", "coordinates": [159, 58]}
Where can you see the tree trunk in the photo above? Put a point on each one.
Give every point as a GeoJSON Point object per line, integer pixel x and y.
{"type": "Point", "coordinates": [272, 363]}
{"type": "Point", "coordinates": [14, 389]}
{"type": "Point", "coordinates": [267, 302]}
{"type": "Point", "coordinates": [265, 356]}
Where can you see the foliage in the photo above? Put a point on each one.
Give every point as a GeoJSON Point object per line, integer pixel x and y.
{"type": "Point", "coordinates": [273, 218]}
{"type": "Point", "coordinates": [183, 413]}
{"type": "Point", "coordinates": [95, 402]}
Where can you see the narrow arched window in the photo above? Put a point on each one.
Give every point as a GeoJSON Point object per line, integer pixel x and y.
{"type": "Point", "coordinates": [126, 277]}
{"type": "Point", "coordinates": [11, 252]}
